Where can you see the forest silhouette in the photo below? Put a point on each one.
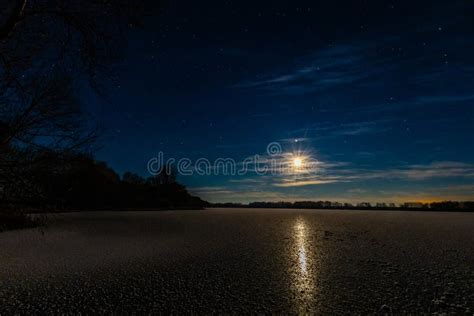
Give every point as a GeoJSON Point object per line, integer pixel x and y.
{"type": "Point", "coordinates": [51, 51]}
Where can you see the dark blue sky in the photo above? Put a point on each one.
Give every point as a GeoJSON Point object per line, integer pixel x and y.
{"type": "Point", "coordinates": [379, 93]}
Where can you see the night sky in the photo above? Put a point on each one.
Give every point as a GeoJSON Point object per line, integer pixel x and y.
{"type": "Point", "coordinates": [379, 93]}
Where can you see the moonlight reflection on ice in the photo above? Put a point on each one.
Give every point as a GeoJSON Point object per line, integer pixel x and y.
{"type": "Point", "coordinates": [303, 264]}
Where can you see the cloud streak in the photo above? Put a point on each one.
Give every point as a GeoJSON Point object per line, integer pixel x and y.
{"type": "Point", "coordinates": [328, 175]}
{"type": "Point", "coordinates": [334, 130]}
{"type": "Point", "coordinates": [328, 68]}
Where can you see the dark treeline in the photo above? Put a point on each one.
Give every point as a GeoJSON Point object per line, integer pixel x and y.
{"type": "Point", "coordinates": [448, 206]}
{"type": "Point", "coordinates": [55, 183]}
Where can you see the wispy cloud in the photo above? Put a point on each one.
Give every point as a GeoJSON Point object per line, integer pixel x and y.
{"type": "Point", "coordinates": [301, 183]}
{"type": "Point", "coordinates": [367, 65]}
{"type": "Point", "coordinates": [327, 68]}
{"type": "Point", "coordinates": [209, 191]}
{"type": "Point", "coordinates": [339, 173]}
{"type": "Point", "coordinates": [434, 170]}
{"type": "Point", "coordinates": [332, 129]}
{"type": "Point", "coordinates": [443, 99]}
{"type": "Point", "coordinates": [246, 181]}
{"type": "Point", "coordinates": [361, 128]}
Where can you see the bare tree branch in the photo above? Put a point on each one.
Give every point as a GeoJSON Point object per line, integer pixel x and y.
{"type": "Point", "coordinates": [14, 18]}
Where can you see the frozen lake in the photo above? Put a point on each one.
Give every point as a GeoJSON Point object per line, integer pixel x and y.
{"type": "Point", "coordinates": [241, 260]}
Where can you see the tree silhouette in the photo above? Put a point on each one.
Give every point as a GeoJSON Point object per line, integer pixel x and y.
{"type": "Point", "coordinates": [49, 49]}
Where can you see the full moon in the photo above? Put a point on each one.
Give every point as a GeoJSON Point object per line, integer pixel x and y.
{"type": "Point", "coordinates": [297, 162]}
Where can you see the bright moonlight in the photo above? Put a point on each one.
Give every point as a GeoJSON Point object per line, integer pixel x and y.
{"type": "Point", "coordinates": [297, 162]}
